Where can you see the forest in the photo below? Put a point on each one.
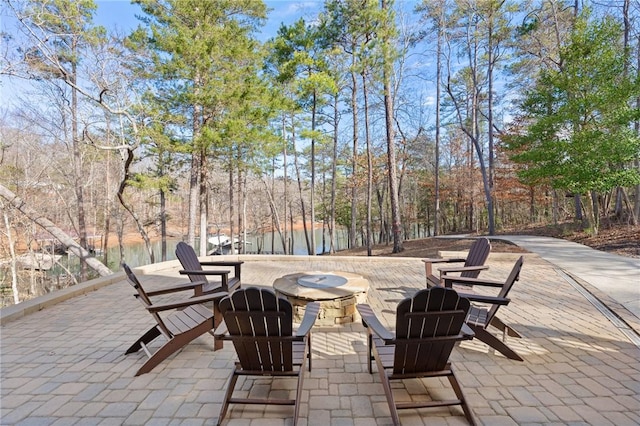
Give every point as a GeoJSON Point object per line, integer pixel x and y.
{"type": "Point", "coordinates": [389, 120]}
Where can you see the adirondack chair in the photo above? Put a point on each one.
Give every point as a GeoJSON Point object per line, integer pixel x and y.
{"type": "Point", "coordinates": [178, 322]}
{"type": "Point", "coordinates": [473, 263]}
{"type": "Point", "coordinates": [260, 326]}
{"type": "Point", "coordinates": [428, 325]}
{"type": "Point", "coordinates": [193, 269]}
{"type": "Point", "coordinates": [483, 316]}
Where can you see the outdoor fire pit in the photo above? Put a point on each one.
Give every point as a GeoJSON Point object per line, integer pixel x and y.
{"type": "Point", "coordinates": [337, 292]}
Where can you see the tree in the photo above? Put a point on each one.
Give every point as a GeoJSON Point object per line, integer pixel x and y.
{"type": "Point", "coordinates": [201, 51]}
{"type": "Point", "coordinates": [297, 54]}
{"type": "Point", "coordinates": [60, 32]}
{"type": "Point", "coordinates": [577, 119]}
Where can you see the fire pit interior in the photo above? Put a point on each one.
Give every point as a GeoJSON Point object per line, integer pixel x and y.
{"type": "Point", "coordinates": [337, 292]}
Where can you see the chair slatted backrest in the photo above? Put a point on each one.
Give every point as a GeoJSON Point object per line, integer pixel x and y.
{"type": "Point", "coordinates": [427, 328]}
{"type": "Point", "coordinates": [189, 261]}
{"type": "Point", "coordinates": [143, 297]}
{"type": "Point", "coordinates": [478, 254]}
{"type": "Point", "coordinates": [514, 276]}
{"type": "Point", "coordinates": [260, 325]}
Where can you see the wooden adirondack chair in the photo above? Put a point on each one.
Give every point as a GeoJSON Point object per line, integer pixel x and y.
{"type": "Point", "coordinates": [428, 325]}
{"type": "Point", "coordinates": [193, 268]}
{"type": "Point", "coordinates": [481, 317]}
{"type": "Point", "coordinates": [260, 326]}
{"type": "Point", "coordinates": [178, 322]}
{"type": "Point", "coordinates": [473, 263]}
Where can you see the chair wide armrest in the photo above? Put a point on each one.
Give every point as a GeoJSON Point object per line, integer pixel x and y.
{"type": "Point", "coordinates": [308, 320]}
{"type": "Point", "coordinates": [222, 263]}
{"type": "Point", "coordinates": [444, 259]}
{"type": "Point", "coordinates": [176, 288]}
{"type": "Point", "coordinates": [188, 302]}
{"type": "Point", "coordinates": [481, 298]}
{"type": "Point", "coordinates": [183, 272]}
{"type": "Point", "coordinates": [428, 262]}
{"type": "Point", "coordinates": [449, 280]}
{"type": "Point", "coordinates": [369, 319]}
{"type": "Point", "coordinates": [462, 269]}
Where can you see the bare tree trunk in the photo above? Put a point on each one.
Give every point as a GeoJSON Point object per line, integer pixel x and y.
{"type": "Point", "coordinates": [231, 208]}
{"type": "Point", "coordinates": [334, 162]}
{"type": "Point", "coordinates": [78, 177]}
{"type": "Point", "coordinates": [369, 239]}
{"type": "Point", "coordinates": [354, 157]}
{"type": "Point", "coordinates": [50, 227]}
{"type": "Point", "coordinates": [12, 253]}
{"type": "Point", "coordinates": [203, 201]}
{"type": "Point", "coordinates": [302, 203]}
{"type": "Point", "coordinates": [123, 203]}
{"type": "Point", "coordinates": [286, 184]}
{"type": "Point", "coordinates": [635, 214]}
{"type": "Point", "coordinates": [490, 183]}
{"type": "Point", "coordinates": [193, 199]}
{"type": "Point", "coordinates": [436, 218]}
{"type": "Point", "coordinates": [276, 217]}
{"type": "Point", "coordinates": [396, 226]}
{"type": "Point", "coordinates": [163, 226]}
{"type": "Point", "coordinates": [313, 175]}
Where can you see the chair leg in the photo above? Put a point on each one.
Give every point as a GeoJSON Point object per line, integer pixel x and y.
{"type": "Point", "coordinates": [308, 354]}
{"type": "Point", "coordinates": [296, 411]}
{"type": "Point", "coordinates": [506, 330]}
{"type": "Point", "coordinates": [463, 402]}
{"type": "Point", "coordinates": [388, 392]}
{"type": "Point", "coordinates": [146, 338]}
{"type": "Point", "coordinates": [173, 345]}
{"type": "Point", "coordinates": [497, 344]}
{"type": "Point", "coordinates": [370, 356]}
{"type": "Point", "coordinates": [217, 320]}
{"type": "Point", "coordinates": [227, 396]}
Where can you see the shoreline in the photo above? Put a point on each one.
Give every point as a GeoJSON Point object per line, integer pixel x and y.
{"type": "Point", "coordinates": [135, 237]}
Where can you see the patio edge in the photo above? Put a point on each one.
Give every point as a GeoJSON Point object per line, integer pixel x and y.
{"type": "Point", "coordinates": [14, 312]}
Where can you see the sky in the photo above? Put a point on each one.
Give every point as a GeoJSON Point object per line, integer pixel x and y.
{"type": "Point", "coordinates": [120, 14]}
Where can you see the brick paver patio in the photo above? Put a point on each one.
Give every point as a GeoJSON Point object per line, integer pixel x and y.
{"type": "Point", "coordinates": [65, 365]}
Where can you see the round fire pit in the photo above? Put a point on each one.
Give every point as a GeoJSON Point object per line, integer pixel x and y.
{"type": "Point", "coordinates": [337, 292]}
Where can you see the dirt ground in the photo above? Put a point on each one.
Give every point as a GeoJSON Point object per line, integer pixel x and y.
{"type": "Point", "coordinates": [623, 240]}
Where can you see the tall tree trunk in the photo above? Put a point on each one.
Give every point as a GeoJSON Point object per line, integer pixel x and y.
{"type": "Point", "coordinates": [276, 218]}
{"type": "Point", "coordinates": [436, 219]}
{"type": "Point", "coordinates": [231, 208]}
{"type": "Point", "coordinates": [490, 65]}
{"type": "Point", "coordinates": [193, 199]}
{"type": "Point", "coordinates": [396, 226]}
{"type": "Point", "coordinates": [12, 253]}
{"type": "Point", "coordinates": [79, 179]}
{"type": "Point", "coordinates": [313, 174]}
{"type": "Point", "coordinates": [163, 226]}
{"type": "Point", "coordinates": [286, 183]}
{"type": "Point", "coordinates": [354, 157]}
{"type": "Point", "coordinates": [365, 94]}
{"type": "Point", "coordinates": [636, 206]}
{"type": "Point", "coordinates": [197, 163]}
{"type": "Point", "coordinates": [300, 191]}
{"type": "Point", "coordinates": [334, 185]}
{"type": "Point", "coordinates": [203, 201]}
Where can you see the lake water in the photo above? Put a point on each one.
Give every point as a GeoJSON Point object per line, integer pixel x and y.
{"type": "Point", "coordinates": [136, 254]}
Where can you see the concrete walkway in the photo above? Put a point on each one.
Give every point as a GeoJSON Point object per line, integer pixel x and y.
{"type": "Point", "coordinates": [616, 276]}
{"type": "Point", "coordinates": [65, 364]}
